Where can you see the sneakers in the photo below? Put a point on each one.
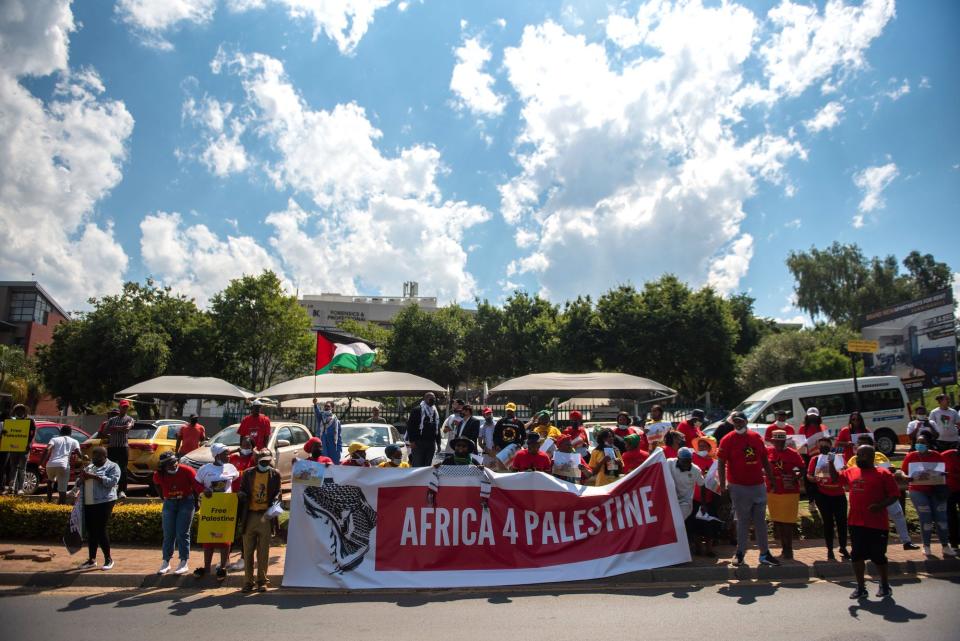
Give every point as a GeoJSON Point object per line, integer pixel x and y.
{"type": "Point", "coordinates": [88, 565]}
{"type": "Point", "coordinates": [769, 559]}
{"type": "Point", "coordinates": [860, 592]}
{"type": "Point", "coordinates": [108, 565]}
{"type": "Point", "coordinates": [844, 554]}
{"type": "Point", "coordinates": [738, 560]}
{"type": "Point", "coordinates": [122, 495]}
{"type": "Point", "coordinates": [949, 551]}
{"type": "Point", "coordinates": [910, 545]}
{"type": "Point", "coordinates": [200, 572]}
{"type": "Point", "coordinates": [236, 566]}
{"type": "Point", "coordinates": [926, 551]}
{"type": "Point", "coordinates": [884, 592]}
{"type": "Point", "coordinates": [261, 587]}
{"type": "Point", "coordinates": [182, 568]}
{"type": "Point", "coordinates": [247, 587]}
{"type": "Point", "coordinates": [221, 573]}
{"type": "Point", "coordinates": [164, 568]}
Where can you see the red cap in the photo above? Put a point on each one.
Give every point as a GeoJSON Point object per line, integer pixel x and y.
{"type": "Point", "coordinates": [487, 410]}
{"type": "Point", "coordinates": [575, 415]}
{"type": "Point", "coordinates": [124, 403]}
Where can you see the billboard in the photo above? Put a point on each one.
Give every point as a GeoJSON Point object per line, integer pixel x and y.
{"type": "Point", "coordinates": [917, 342]}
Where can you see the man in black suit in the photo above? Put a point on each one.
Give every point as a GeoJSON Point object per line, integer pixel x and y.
{"type": "Point", "coordinates": [423, 431]}
{"type": "Point", "coordinates": [468, 428]}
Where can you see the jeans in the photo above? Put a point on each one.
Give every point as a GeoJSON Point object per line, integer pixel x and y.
{"type": "Point", "coordinates": [932, 510]}
{"type": "Point", "coordinates": [95, 519]}
{"type": "Point", "coordinates": [177, 519]}
{"type": "Point", "coordinates": [422, 454]}
{"type": "Point", "coordinates": [14, 470]}
{"type": "Point", "coordinates": [953, 521]}
{"type": "Point", "coordinates": [833, 509]}
{"type": "Point", "coordinates": [120, 456]}
{"type": "Point", "coordinates": [750, 506]}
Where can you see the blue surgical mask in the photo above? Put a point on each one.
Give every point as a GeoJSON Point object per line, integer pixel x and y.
{"type": "Point", "coordinates": [263, 467]}
{"type": "Point", "coordinates": [922, 447]}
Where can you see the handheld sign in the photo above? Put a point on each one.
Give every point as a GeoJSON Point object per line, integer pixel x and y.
{"type": "Point", "coordinates": [16, 434]}
{"type": "Point", "coordinates": [863, 346]}
{"type": "Point", "coordinates": [218, 518]}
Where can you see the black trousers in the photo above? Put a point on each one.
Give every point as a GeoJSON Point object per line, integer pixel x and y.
{"type": "Point", "coordinates": [422, 454]}
{"type": "Point", "coordinates": [833, 510]}
{"type": "Point", "coordinates": [120, 456]}
{"type": "Point", "coordinates": [953, 519]}
{"type": "Point", "coordinates": [95, 519]}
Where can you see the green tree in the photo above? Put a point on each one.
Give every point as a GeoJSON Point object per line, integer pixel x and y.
{"type": "Point", "coordinates": [431, 345]}
{"type": "Point", "coordinates": [487, 352]}
{"type": "Point", "coordinates": [752, 328]}
{"type": "Point", "coordinates": [578, 337]}
{"type": "Point", "coordinates": [793, 357]}
{"type": "Point", "coordinates": [13, 364]}
{"type": "Point", "coordinates": [621, 329]}
{"type": "Point", "coordinates": [262, 335]}
{"type": "Point", "coordinates": [530, 335]}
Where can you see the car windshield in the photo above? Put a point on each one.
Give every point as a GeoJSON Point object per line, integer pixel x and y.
{"type": "Point", "coordinates": [228, 437]}
{"type": "Point", "coordinates": [368, 435]}
{"type": "Point", "coordinates": [44, 434]}
{"type": "Point", "coordinates": [142, 433]}
{"type": "Point", "coordinates": [751, 409]}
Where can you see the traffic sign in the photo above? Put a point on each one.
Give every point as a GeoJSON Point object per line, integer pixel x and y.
{"type": "Point", "coordinates": [862, 346]}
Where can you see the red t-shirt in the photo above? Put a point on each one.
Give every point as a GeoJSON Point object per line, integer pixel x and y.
{"type": "Point", "coordinates": [190, 438]}
{"type": "Point", "coordinates": [743, 454]}
{"type": "Point", "coordinates": [690, 433]}
{"type": "Point", "coordinates": [810, 430]}
{"type": "Point", "coordinates": [916, 457]}
{"type": "Point", "coordinates": [578, 432]}
{"type": "Point", "coordinates": [702, 495]}
{"type": "Point", "coordinates": [632, 459]}
{"type": "Point", "coordinates": [241, 462]}
{"type": "Point", "coordinates": [538, 461]}
{"type": "Point", "coordinates": [177, 485]}
{"type": "Point", "coordinates": [826, 486]}
{"type": "Point", "coordinates": [355, 462]}
{"type": "Point", "coordinates": [782, 463]}
{"type": "Point", "coordinates": [952, 460]}
{"type": "Point", "coordinates": [845, 440]}
{"type": "Point", "coordinates": [257, 428]}
{"type": "Point", "coordinates": [768, 434]}
{"type": "Point", "coordinates": [867, 487]}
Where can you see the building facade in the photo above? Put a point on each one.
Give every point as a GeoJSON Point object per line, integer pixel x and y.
{"type": "Point", "coordinates": [328, 310]}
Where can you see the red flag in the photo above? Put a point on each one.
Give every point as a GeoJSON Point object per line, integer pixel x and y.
{"type": "Point", "coordinates": [325, 351]}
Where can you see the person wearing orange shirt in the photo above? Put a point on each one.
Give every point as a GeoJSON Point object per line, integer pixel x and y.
{"type": "Point", "coordinates": [190, 436]}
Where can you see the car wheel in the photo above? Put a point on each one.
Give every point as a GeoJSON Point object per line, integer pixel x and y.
{"type": "Point", "coordinates": [31, 480]}
{"type": "Point", "coordinates": [886, 442]}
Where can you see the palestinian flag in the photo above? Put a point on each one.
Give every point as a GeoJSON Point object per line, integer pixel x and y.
{"type": "Point", "coordinates": [353, 356]}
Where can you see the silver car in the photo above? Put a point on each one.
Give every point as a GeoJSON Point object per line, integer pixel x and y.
{"type": "Point", "coordinates": [376, 436]}
{"type": "Point", "coordinates": [286, 439]}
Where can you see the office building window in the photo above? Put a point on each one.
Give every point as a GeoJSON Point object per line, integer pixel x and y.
{"type": "Point", "coordinates": [29, 307]}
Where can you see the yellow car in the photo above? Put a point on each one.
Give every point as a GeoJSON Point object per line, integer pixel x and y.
{"type": "Point", "coordinates": [147, 440]}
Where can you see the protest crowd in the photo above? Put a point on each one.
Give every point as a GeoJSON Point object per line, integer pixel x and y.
{"type": "Point", "coordinates": [726, 484]}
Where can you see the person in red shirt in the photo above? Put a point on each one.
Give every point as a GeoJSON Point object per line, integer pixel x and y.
{"type": "Point", "coordinates": [532, 459]}
{"type": "Point", "coordinates": [928, 492]}
{"type": "Point", "coordinates": [175, 484]}
{"type": "Point", "coordinates": [951, 460]}
{"type": "Point", "coordinates": [831, 499]}
{"type": "Point", "coordinates": [704, 500]}
{"type": "Point", "coordinates": [190, 436]}
{"type": "Point", "coordinates": [672, 442]}
{"type": "Point", "coordinates": [565, 445]}
{"type": "Point", "coordinates": [690, 428]}
{"type": "Point", "coordinates": [256, 426]}
{"type": "Point", "coordinates": [242, 459]}
{"type": "Point", "coordinates": [779, 424]}
{"type": "Point", "coordinates": [872, 489]}
{"type": "Point", "coordinates": [579, 438]}
{"type": "Point", "coordinates": [314, 450]}
{"type": "Point", "coordinates": [783, 490]}
{"type": "Point", "coordinates": [634, 456]}
{"type": "Point", "coordinates": [743, 462]}
{"type": "Point", "coordinates": [849, 434]}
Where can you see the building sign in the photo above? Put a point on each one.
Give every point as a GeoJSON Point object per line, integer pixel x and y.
{"type": "Point", "coordinates": [916, 341]}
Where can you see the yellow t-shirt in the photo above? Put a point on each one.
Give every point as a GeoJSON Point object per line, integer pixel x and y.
{"type": "Point", "coordinates": [548, 431]}
{"type": "Point", "coordinates": [389, 464]}
{"type": "Point", "coordinates": [601, 478]}
{"type": "Point", "coordinates": [258, 499]}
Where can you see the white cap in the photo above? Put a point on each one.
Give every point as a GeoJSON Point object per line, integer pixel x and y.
{"type": "Point", "coordinates": [217, 449]}
{"type": "Point", "coordinates": [813, 411]}
{"type": "Point", "coordinates": [256, 403]}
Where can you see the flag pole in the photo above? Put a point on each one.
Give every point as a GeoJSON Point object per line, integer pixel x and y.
{"type": "Point", "coordinates": [316, 348]}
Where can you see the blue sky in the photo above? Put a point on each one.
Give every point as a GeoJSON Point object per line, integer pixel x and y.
{"type": "Point", "coordinates": [562, 148]}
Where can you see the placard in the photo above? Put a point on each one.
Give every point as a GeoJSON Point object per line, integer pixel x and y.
{"type": "Point", "coordinates": [16, 435]}
{"type": "Point", "coordinates": [218, 518]}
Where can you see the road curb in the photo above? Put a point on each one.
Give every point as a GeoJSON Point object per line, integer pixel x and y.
{"type": "Point", "coordinates": [681, 575]}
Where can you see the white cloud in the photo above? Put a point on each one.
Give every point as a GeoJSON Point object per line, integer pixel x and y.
{"type": "Point", "coordinates": [377, 220]}
{"type": "Point", "coordinates": [899, 92]}
{"type": "Point", "coordinates": [502, 23]}
{"type": "Point", "coordinates": [796, 223]}
{"type": "Point", "coordinates": [471, 84]}
{"type": "Point", "coordinates": [152, 18]}
{"type": "Point", "coordinates": [58, 159]}
{"type": "Point", "coordinates": [872, 181]}
{"type": "Point", "coordinates": [956, 286]}
{"type": "Point", "coordinates": [727, 271]}
{"type": "Point", "coordinates": [925, 82]}
{"type": "Point", "coordinates": [810, 45]}
{"type": "Point", "coordinates": [222, 151]}
{"type": "Point", "coordinates": [826, 118]}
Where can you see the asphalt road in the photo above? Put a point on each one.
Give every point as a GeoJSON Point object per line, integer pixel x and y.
{"type": "Point", "coordinates": [802, 611]}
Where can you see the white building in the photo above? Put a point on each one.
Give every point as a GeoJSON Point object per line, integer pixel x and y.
{"type": "Point", "coordinates": [327, 310]}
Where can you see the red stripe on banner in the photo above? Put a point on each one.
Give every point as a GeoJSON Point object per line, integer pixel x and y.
{"type": "Point", "coordinates": [522, 529]}
{"type": "Point", "coordinates": [325, 351]}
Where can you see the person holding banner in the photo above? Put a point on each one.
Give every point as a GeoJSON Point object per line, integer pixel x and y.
{"type": "Point", "coordinates": [394, 457]}
{"type": "Point", "coordinates": [358, 455]}
{"type": "Point", "coordinates": [783, 490]}
{"type": "Point", "coordinates": [779, 424]}
{"type": "Point", "coordinates": [175, 484]}
{"type": "Point", "coordinates": [568, 464]}
{"type": "Point", "coordinates": [16, 448]}
{"type": "Point", "coordinates": [742, 463]}
{"type": "Point", "coordinates": [831, 499]}
{"type": "Point", "coordinates": [634, 456]}
{"type": "Point", "coordinates": [423, 431]}
{"type": "Point", "coordinates": [851, 434]}
{"type": "Point", "coordinates": [463, 451]}
{"type": "Point", "coordinates": [605, 463]}
{"type": "Point", "coordinates": [259, 490]}
{"type": "Point", "coordinates": [543, 427]}
{"type": "Point", "coordinates": [216, 477]}
{"type": "Point", "coordinates": [928, 491]}
{"type": "Point", "coordinates": [532, 459]}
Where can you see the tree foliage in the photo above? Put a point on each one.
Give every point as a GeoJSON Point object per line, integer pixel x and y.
{"type": "Point", "coordinates": [13, 364]}
{"type": "Point", "coordinates": [795, 356]}
{"type": "Point", "coordinates": [431, 345]}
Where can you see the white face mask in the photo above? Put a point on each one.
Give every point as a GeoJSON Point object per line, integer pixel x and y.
{"type": "Point", "coordinates": [246, 452]}
{"type": "Point", "coordinates": [704, 453]}
{"type": "Point", "coordinates": [740, 430]}
{"type": "Point", "coordinates": [781, 423]}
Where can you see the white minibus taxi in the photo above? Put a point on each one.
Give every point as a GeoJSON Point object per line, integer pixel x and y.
{"type": "Point", "coordinates": [883, 404]}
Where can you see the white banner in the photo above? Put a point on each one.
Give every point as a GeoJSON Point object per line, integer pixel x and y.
{"type": "Point", "coordinates": [377, 528]}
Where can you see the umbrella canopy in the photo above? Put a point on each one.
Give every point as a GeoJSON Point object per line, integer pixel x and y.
{"type": "Point", "coordinates": [587, 401]}
{"type": "Point", "coordinates": [367, 383]}
{"type": "Point", "coordinates": [205, 387]}
{"type": "Point", "coordinates": [342, 401]}
{"type": "Point", "coordinates": [594, 384]}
